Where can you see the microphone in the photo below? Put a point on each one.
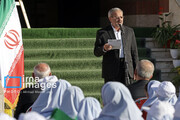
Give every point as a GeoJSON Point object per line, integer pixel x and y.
{"type": "Point", "coordinates": [121, 29]}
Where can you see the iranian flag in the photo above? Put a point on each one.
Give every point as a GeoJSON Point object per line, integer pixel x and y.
{"type": "Point", "coordinates": [11, 52]}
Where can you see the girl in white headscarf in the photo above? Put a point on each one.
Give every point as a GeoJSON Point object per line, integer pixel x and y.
{"type": "Point", "coordinates": [4, 116]}
{"type": "Point", "coordinates": [167, 92]}
{"type": "Point", "coordinates": [151, 93]}
{"type": "Point", "coordinates": [160, 111]}
{"type": "Point", "coordinates": [118, 103]}
{"type": "Point", "coordinates": [177, 111]}
{"type": "Point", "coordinates": [178, 101]}
{"type": "Point", "coordinates": [47, 82]}
{"type": "Point", "coordinates": [90, 109]}
{"type": "Point", "coordinates": [50, 99]}
{"type": "Point", "coordinates": [31, 116]}
{"type": "Point", "coordinates": [71, 101]}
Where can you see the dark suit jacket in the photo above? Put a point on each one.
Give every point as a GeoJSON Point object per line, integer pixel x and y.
{"type": "Point", "coordinates": [111, 58]}
{"type": "Point", "coordinates": [26, 98]}
{"type": "Point", "coordinates": [137, 89]}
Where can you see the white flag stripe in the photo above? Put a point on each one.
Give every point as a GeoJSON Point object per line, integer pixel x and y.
{"type": "Point", "coordinates": [10, 54]}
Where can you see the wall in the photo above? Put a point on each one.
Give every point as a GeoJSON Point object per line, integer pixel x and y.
{"type": "Point", "coordinates": [138, 13]}
{"type": "Point", "coordinates": [141, 20]}
{"type": "Point", "coordinates": [175, 9]}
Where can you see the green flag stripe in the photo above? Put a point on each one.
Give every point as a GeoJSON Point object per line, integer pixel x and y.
{"type": "Point", "coordinates": [6, 8]}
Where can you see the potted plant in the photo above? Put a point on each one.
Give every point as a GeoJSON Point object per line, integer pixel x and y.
{"type": "Point", "coordinates": [175, 49]}
{"type": "Point", "coordinates": [175, 46]}
{"type": "Point", "coordinates": [176, 62]}
{"type": "Point", "coordinates": [165, 34]}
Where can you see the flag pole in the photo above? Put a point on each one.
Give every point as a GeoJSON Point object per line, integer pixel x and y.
{"type": "Point", "coordinates": [1, 98]}
{"type": "Point", "coordinates": [20, 3]}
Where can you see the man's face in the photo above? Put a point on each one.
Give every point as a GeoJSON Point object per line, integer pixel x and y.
{"type": "Point", "coordinates": [116, 18]}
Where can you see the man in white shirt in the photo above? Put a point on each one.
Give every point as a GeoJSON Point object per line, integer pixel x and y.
{"type": "Point", "coordinates": [118, 64]}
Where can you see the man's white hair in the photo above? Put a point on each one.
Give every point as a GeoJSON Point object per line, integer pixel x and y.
{"type": "Point", "coordinates": [42, 74]}
{"type": "Point", "coordinates": [112, 10]}
{"type": "Point", "coordinates": [145, 68]}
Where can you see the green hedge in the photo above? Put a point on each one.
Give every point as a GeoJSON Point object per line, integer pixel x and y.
{"type": "Point", "coordinates": [75, 32]}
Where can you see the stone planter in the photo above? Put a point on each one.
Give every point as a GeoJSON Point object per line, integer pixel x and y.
{"type": "Point", "coordinates": [175, 53]}
{"type": "Point", "coordinates": [176, 63]}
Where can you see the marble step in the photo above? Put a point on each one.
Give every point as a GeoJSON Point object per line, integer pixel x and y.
{"type": "Point", "coordinates": [163, 63]}
{"type": "Point", "coordinates": [150, 43]}
{"type": "Point", "coordinates": [158, 53]}
{"type": "Point", "coordinates": [167, 74]}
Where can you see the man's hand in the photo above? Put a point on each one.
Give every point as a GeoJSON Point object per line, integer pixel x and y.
{"type": "Point", "coordinates": [107, 47]}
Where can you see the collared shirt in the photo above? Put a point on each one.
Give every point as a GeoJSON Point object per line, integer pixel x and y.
{"type": "Point", "coordinates": [119, 37]}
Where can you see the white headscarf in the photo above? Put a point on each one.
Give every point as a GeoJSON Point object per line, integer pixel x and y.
{"type": "Point", "coordinates": [31, 116]}
{"type": "Point", "coordinates": [178, 98]}
{"type": "Point", "coordinates": [160, 111]}
{"type": "Point", "coordinates": [177, 111]}
{"type": "Point", "coordinates": [4, 116]}
{"type": "Point", "coordinates": [118, 103]}
{"type": "Point", "coordinates": [151, 89]}
{"type": "Point", "coordinates": [47, 82]}
{"type": "Point", "coordinates": [167, 92]}
{"type": "Point", "coordinates": [71, 101]}
{"type": "Point", "coordinates": [90, 109]}
{"type": "Point", "coordinates": [50, 99]}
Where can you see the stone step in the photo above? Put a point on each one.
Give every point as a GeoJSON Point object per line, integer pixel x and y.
{"type": "Point", "coordinates": [164, 63]}
{"type": "Point", "coordinates": [160, 53]}
{"type": "Point", "coordinates": [167, 74]}
{"type": "Point", "coordinates": [149, 43]}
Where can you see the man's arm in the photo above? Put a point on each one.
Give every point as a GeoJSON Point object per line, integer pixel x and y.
{"type": "Point", "coordinates": [99, 45]}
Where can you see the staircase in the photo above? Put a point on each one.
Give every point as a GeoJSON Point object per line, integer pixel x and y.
{"type": "Point", "coordinates": [69, 52]}
{"type": "Point", "coordinates": [163, 60]}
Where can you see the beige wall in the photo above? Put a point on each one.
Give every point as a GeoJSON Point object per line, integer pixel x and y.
{"type": "Point", "coordinates": [135, 21]}
{"type": "Point", "coordinates": [150, 19]}
{"type": "Point", "coordinates": [141, 20]}
{"type": "Point", "coordinates": [175, 9]}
